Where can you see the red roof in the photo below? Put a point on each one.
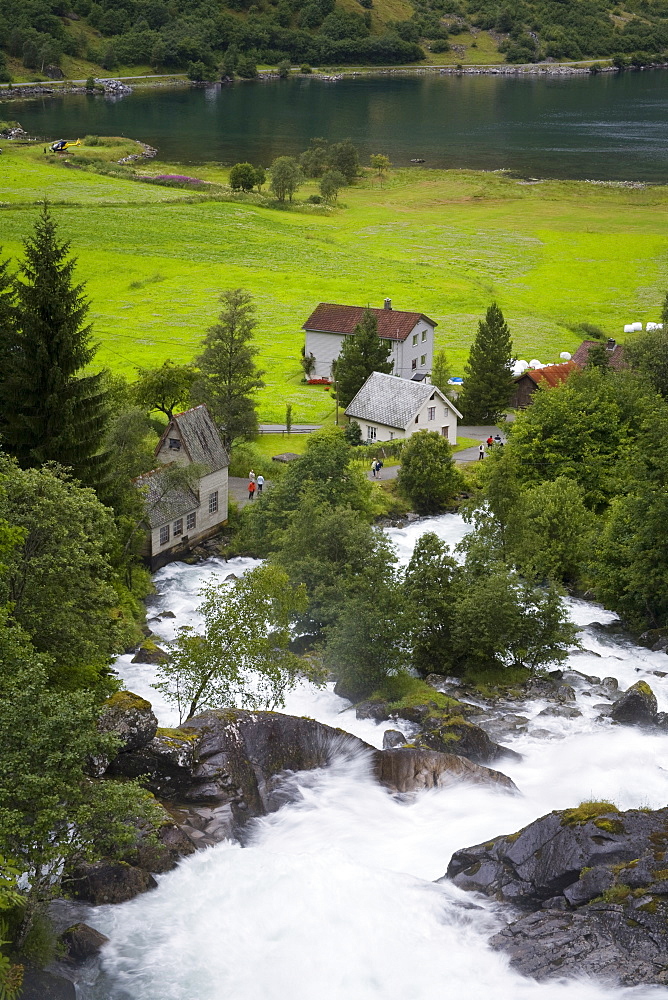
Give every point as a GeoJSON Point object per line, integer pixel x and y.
{"type": "Point", "coordinates": [551, 375]}
{"type": "Point", "coordinates": [392, 323]}
{"type": "Point", "coordinates": [615, 356]}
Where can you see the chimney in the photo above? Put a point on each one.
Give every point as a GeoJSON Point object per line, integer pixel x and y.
{"type": "Point", "coordinates": [610, 346]}
{"type": "Point", "coordinates": [387, 304]}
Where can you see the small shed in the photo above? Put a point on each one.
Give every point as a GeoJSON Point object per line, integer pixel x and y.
{"type": "Point", "coordinates": [527, 383]}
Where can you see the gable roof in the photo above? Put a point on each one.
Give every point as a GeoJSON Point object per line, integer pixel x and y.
{"type": "Point", "coordinates": [200, 438]}
{"type": "Point", "coordinates": [393, 324]}
{"type": "Point", "coordinates": [393, 401]}
{"type": "Point", "coordinates": [616, 358]}
{"type": "Point", "coordinates": [550, 375]}
{"type": "Point", "coordinates": [162, 507]}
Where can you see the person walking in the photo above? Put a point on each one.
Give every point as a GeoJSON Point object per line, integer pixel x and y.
{"type": "Point", "coordinates": [260, 483]}
{"type": "Point", "coordinates": [481, 452]}
{"type": "Point", "coordinates": [374, 463]}
{"type": "Point", "coordinates": [251, 489]}
{"type": "Point", "coordinates": [490, 441]}
{"type": "Point", "coordinates": [251, 476]}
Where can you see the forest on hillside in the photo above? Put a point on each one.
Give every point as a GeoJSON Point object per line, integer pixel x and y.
{"type": "Point", "coordinates": [233, 35]}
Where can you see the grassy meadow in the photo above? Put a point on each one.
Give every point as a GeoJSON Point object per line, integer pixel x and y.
{"type": "Point", "coordinates": [155, 259]}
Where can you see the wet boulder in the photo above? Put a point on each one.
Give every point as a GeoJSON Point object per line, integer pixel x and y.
{"type": "Point", "coordinates": [393, 738]}
{"type": "Point", "coordinates": [408, 770]}
{"type": "Point", "coordinates": [130, 718]}
{"type": "Point", "coordinates": [41, 985]}
{"type": "Point", "coordinates": [636, 707]}
{"type": "Point", "coordinates": [82, 942]}
{"type": "Point", "coordinates": [149, 652]}
{"type": "Point", "coordinates": [458, 736]}
{"type": "Point", "coordinates": [102, 882]}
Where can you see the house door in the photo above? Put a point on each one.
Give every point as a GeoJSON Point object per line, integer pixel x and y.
{"type": "Point", "coordinates": [444, 432]}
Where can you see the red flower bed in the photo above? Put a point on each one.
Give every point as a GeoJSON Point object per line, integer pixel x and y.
{"type": "Point", "coordinates": [319, 381]}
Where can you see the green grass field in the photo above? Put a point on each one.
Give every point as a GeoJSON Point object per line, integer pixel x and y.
{"type": "Point", "coordinates": [155, 259]}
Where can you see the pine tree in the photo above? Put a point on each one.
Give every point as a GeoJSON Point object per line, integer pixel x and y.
{"type": "Point", "coordinates": [7, 323]}
{"type": "Point", "coordinates": [52, 412]}
{"type": "Point", "coordinates": [229, 373]}
{"type": "Point", "coordinates": [488, 382]}
{"type": "Point", "coordinates": [361, 354]}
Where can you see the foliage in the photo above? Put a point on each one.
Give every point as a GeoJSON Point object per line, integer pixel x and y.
{"type": "Point", "coordinates": [242, 177]}
{"type": "Point", "coordinates": [353, 433]}
{"type": "Point", "coordinates": [428, 476]}
{"type": "Point", "coordinates": [242, 657]}
{"type": "Point", "coordinates": [648, 355]}
{"type": "Point", "coordinates": [361, 354]}
{"type": "Point", "coordinates": [331, 183]}
{"type": "Point", "coordinates": [325, 473]}
{"type": "Point", "coordinates": [283, 68]}
{"type": "Point", "coordinates": [199, 72]}
{"type": "Point", "coordinates": [51, 812]}
{"type": "Point", "coordinates": [229, 376]}
{"type": "Point", "coordinates": [488, 382]}
{"type": "Point", "coordinates": [440, 373]}
{"type": "Point", "coordinates": [260, 177]}
{"type": "Point", "coordinates": [288, 417]}
{"type": "Point", "coordinates": [56, 578]}
{"type": "Point", "coordinates": [429, 588]}
{"type": "Point", "coordinates": [51, 410]}
{"type": "Point", "coordinates": [380, 163]}
{"type": "Point", "coordinates": [286, 177]}
{"type": "Point", "coordinates": [165, 387]}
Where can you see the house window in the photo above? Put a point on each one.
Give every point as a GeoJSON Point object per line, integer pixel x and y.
{"type": "Point", "coordinates": [417, 418]}
{"type": "Point", "coordinates": [371, 433]}
{"type": "Point", "coordinates": [191, 521]}
{"type": "Point", "coordinates": [213, 502]}
{"type": "Point", "coordinates": [431, 413]}
{"type": "Point", "coordinates": [174, 444]}
{"type": "Point", "coordinates": [414, 365]}
{"type": "Point", "coordinates": [415, 340]}
{"type": "Point", "coordinates": [178, 527]}
{"type": "Point", "coordinates": [164, 534]}
{"type": "Point", "coordinates": [424, 336]}
{"type": "Point", "coordinates": [423, 359]}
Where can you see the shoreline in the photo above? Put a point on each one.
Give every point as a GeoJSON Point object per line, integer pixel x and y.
{"type": "Point", "coordinates": [121, 86]}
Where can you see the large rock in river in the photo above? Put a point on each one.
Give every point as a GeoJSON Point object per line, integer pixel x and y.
{"type": "Point", "coordinates": [131, 718]}
{"type": "Point", "coordinates": [593, 883]}
{"type": "Point", "coordinates": [637, 706]}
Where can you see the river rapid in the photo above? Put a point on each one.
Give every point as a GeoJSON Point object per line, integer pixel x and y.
{"type": "Point", "coordinates": [333, 896]}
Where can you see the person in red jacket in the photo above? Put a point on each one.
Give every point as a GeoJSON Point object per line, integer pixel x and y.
{"type": "Point", "coordinates": [251, 490]}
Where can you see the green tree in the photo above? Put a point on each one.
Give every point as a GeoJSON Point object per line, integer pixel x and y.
{"type": "Point", "coordinates": [313, 161]}
{"type": "Point", "coordinates": [199, 72]}
{"type": "Point", "coordinates": [488, 382]}
{"type": "Point", "coordinates": [429, 588]}
{"type": "Point", "coordinates": [51, 813]}
{"type": "Point", "coordinates": [288, 417]}
{"type": "Point", "coordinates": [331, 183]}
{"type": "Point", "coordinates": [230, 59]}
{"type": "Point", "coordinates": [598, 357]}
{"type": "Point", "coordinates": [286, 177]}
{"type": "Point", "coordinates": [361, 354]}
{"type": "Point", "coordinates": [380, 163]}
{"type": "Point", "coordinates": [284, 69]}
{"type": "Point", "coordinates": [229, 375]}
{"type": "Point", "coordinates": [242, 177]}
{"type": "Point", "coordinates": [164, 388]}
{"type": "Point", "coordinates": [52, 409]}
{"type": "Point", "coordinates": [648, 355]}
{"type": "Point", "coordinates": [57, 578]}
{"type": "Point", "coordinates": [259, 177]}
{"type": "Point", "coordinates": [428, 477]}
{"type": "Point", "coordinates": [344, 157]}
{"type": "Point", "coordinates": [7, 324]}
{"type": "Point", "coordinates": [440, 373]}
{"type": "Point", "coordinates": [353, 433]}
{"type": "Point", "coordinates": [242, 657]}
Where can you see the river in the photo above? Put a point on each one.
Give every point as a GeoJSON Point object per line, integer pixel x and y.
{"type": "Point", "coordinates": [333, 896]}
{"type": "Point", "coordinates": [610, 126]}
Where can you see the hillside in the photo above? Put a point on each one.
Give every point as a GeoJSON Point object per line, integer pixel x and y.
{"type": "Point", "coordinates": [42, 38]}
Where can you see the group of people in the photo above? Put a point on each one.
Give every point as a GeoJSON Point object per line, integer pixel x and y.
{"type": "Point", "coordinates": [491, 442]}
{"type": "Point", "coordinates": [255, 484]}
{"type": "Point", "coordinates": [376, 466]}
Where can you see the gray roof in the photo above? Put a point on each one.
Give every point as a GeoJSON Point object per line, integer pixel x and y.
{"type": "Point", "coordinates": [392, 401]}
{"type": "Point", "coordinates": [164, 506]}
{"type": "Point", "coordinates": [200, 438]}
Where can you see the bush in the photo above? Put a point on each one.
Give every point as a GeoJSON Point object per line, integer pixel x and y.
{"type": "Point", "coordinates": [428, 477]}
{"type": "Point", "coordinates": [247, 68]}
{"type": "Point", "coordinates": [284, 69]}
{"type": "Point", "coordinates": [315, 199]}
{"type": "Point", "coordinates": [440, 45]}
{"type": "Point", "coordinates": [242, 177]}
{"type": "Point", "coordinates": [90, 83]}
{"type": "Point", "coordinates": [91, 140]}
{"type": "Point", "coordinates": [305, 68]}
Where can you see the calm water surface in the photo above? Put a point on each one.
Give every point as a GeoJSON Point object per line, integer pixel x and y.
{"type": "Point", "coordinates": [613, 126]}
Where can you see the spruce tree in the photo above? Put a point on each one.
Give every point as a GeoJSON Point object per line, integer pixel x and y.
{"type": "Point", "coordinates": [230, 376]}
{"type": "Point", "coordinates": [361, 354]}
{"type": "Point", "coordinates": [7, 323]}
{"type": "Point", "coordinates": [488, 382]}
{"type": "Point", "coordinates": [51, 410]}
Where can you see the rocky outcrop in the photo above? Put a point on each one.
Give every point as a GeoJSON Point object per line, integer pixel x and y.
{"type": "Point", "coordinates": [637, 706]}
{"type": "Point", "coordinates": [82, 942]}
{"type": "Point", "coordinates": [41, 985]}
{"type": "Point", "coordinates": [410, 770]}
{"type": "Point", "coordinates": [131, 718]}
{"type": "Point", "coordinates": [225, 767]}
{"type": "Point", "coordinates": [462, 738]}
{"type": "Point", "coordinates": [107, 882]}
{"type": "Point", "coordinates": [150, 653]}
{"type": "Point", "coordinates": [593, 885]}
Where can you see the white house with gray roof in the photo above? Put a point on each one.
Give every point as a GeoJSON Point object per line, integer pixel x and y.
{"type": "Point", "coordinates": [180, 516]}
{"type": "Point", "coordinates": [388, 407]}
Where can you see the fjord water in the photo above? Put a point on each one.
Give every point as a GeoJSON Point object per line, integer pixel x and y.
{"type": "Point", "coordinates": [609, 126]}
{"type": "Point", "coordinates": [333, 896]}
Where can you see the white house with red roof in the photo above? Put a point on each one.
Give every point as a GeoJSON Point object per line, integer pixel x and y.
{"type": "Point", "coordinates": [411, 335]}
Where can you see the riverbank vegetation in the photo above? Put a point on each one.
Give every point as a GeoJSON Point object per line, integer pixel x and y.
{"type": "Point", "coordinates": [97, 37]}
{"type": "Point", "coordinates": [554, 255]}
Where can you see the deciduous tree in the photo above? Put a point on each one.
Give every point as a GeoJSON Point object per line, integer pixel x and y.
{"type": "Point", "coordinates": [331, 183]}
{"type": "Point", "coordinates": [488, 382]}
{"type": "Point", "coordinates": [428, 477]}
{"type": "Point", "coordinates": [164, 388]}
{"type": "Point", "coordinates": [286, 177]}
{"type": "Point", "coordinates": [242, 177]}
{"type": "Point", "coordinates": [229, 376]}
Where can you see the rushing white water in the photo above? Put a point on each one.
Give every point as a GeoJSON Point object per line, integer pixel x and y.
{"type": "Point", "coordinates": [333, 896]}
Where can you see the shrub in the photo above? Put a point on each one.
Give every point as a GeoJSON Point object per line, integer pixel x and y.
{"type": "Point", "coordinates": [315, 199]}
{"type": "Point", "coordinates": [242, 177]}
{"type": "Point", "coordinates": [440, 45]}
{"type": "Point", "coordinates": [90, 83]}
{"type": "Point", "coordinates": [91, 140]}
{"type": "Point", "coordinates": [284, 69]}
{"type": "Point", "coordinates": [305, 68]}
